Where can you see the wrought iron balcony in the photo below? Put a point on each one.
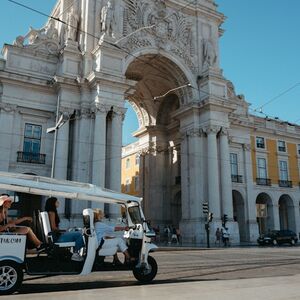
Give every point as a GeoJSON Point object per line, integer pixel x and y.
{"type": "Point", "coordinates": [263, 181]}
{"type": "Point", "coordinates": [285, 183]}
{"type": "Point", "coordinates": [237, 178]}
{"type": "Point", "coordinates": [32, 158]}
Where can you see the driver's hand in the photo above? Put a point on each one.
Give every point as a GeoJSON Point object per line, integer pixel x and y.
{"type": "Point", "coordinates": [29, 219]}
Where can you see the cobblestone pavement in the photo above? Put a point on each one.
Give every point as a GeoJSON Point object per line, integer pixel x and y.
{"type": "Point", "coordinates": [181, 267]}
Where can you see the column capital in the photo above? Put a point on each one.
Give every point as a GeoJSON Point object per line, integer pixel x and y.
{"type": "Point", "coordinates": [224, 131]}
{"type": "Point", "coordinates": [66, 111]}
{"type": "Point", "coordinates": [211, 129]}
{"type": "Point", "coordinates": [119, 112]}
{"type": "Point", "coordinates": [195, 132]}
{"type": "Point", "coordinates": [100, 108]}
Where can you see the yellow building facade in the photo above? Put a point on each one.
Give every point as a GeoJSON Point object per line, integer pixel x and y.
{"type": "Point", "coordinates": [130, 178]}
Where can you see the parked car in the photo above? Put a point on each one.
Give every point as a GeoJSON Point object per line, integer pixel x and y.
{"type": "Point", "coordinates": [276, 237]}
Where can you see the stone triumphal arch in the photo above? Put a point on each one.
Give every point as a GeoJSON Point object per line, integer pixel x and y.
{"type": "Point", "coordinates": [162, 57]}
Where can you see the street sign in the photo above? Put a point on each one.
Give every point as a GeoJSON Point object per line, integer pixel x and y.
{"type": "Point", "coordinates": [205, 207]}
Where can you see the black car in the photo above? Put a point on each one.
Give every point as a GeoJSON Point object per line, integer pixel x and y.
{"type": "Point", "coordinates": [276, 237]}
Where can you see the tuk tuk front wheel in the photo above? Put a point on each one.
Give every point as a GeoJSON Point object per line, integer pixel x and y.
{"type": "Point", "coordinates": [11, 277]}
{"type": "Point", "coordinates": [146, 275]}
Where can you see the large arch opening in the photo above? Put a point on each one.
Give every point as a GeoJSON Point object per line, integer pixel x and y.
{"type": "Point", "coordinates": [239, 214]}
{"type": "Point", "coordinates": [286, 213]}
{"type": "Point", "coordinates": [264, 213]}
{"type": "Point", "coordinates": [160, 90]}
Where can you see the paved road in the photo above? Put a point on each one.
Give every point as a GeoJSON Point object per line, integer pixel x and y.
{"type": "Point", "coordinates": [198, 271]}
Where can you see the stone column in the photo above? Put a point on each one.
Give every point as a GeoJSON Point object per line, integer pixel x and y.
{"type": "Point", "coordinates": [62, 156]}
{"type": "Point", "coordinates": [99, 149]}
{"type": "Point", "coordinates": [253, 232]}
{"type": "Point", "coordinates": [195, 173]}
{"type": "Point", "coordinates": [226, 185]}
{"type": "Point", "coordinates": [6, 131]}
{"type": "Point", "coordinates": [192, 186]}
{"type": "Point", "coordinates": [185, 179]}
{"type": "Point", "coordinates": [83, 160]}
{"type": "Point", "coordinates": [99, 146]}
{"type": "Point", "coordinates": [115, 156]}
{"type": "Point", "coordinates": [213, 172]}
{"type": "Point", "coordinates": [275, 211]}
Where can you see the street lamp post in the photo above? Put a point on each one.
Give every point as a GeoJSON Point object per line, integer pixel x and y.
{"type": "Point", "coordinates": [60, 121]}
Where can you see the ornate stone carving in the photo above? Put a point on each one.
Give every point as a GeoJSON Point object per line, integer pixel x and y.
{"type": "Point", "coordinates": [43, 40]}
{"type": "Point", "coordinates": [224, 131]}
{"type": "Point", "coordinates": [209, 54]}
{"type": "Point", "coordinates": [8, 108]}
{"type": "Point", "coordinates": [108, 22]}
{"type": "Point", "coordinates": [66, 111]}
{"type": "Point", "coordinates": [195, 132]}
{"type": "Point", "coordinates": [72, 21]}
{"type": "Point", "coordinates": [119, 112]}
{"type": "Point", "coordinates": [165, 28]}
{"type": "Point", "coordinates": [212, 129]}
{"type": "Point", "coordinates": [101, 108]}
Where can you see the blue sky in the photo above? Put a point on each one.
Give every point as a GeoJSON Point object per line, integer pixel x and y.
{"type": "Point", "coordinates": [260, 50]}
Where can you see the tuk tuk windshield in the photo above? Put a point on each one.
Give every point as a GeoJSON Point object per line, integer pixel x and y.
{"type": "Point", "coordinates": [135, 214]}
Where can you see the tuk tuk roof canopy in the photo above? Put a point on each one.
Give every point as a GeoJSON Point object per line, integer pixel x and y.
{"type": "Point", "coordinates": [45, 186]}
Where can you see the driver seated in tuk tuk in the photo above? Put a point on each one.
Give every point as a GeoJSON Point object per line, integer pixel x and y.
{"type": "Point", "coordinates": [8, 225]}
{"type": "Point", "coordinates": [105, 236]}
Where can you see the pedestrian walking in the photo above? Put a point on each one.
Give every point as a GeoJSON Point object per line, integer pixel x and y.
{"type": "Point", "coordinates": [218, 235]}
{"type": "Point", "coordinates": [226, 237]}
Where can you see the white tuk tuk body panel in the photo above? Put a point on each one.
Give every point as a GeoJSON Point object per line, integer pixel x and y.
{"type": "Point", "coordinates": [12, 247]}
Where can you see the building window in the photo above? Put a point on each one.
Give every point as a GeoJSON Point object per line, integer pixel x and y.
{"type": "Point", "coordinates": [262, 168]}
{"type": "Point", "coordinates": [298, 146]}
{"type": "Point", "coordinates": [283, 169]}
{"type": "Point", "coordinates": [260, 142]}
{"type": "Point", "coordinates": [32, 138]}
{"type": "Point", "coordinates": [136, 183]}
{"type": "Point", "coordinates": [127, 163]}
{"type": "Point", "coordinates": [127, 186]}
{"type": "Point", "coordinates": [234, 163]}
{"type": "Point", "coordinates": [137, 159]}
{"type": "Point", "coordinates": [281, 146]}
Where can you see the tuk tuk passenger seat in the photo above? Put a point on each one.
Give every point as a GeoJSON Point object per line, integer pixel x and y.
{"type": "Point", "coordinates": [47, 232]}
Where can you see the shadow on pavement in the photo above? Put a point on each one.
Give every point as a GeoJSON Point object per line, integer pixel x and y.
{"type": "Point", "coordinates": [29, 287]}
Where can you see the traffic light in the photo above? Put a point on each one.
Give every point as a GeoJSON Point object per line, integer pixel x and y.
{"type": "Point", "coordinates": [210, 217]}
{"type": "Point", "coordinates": [225, 219]}
{"type": "Point", "coordinates": [205, 208]}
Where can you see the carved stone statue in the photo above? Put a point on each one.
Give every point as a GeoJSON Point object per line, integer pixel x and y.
{"type": "Point", "coordinates": [209, 54]}
{"type": "Point", "coordinates": [107, 19]}
{"type": "Point", "coordinates": [43, 40]}
{"type": "Point", "coordinates": [19, 41]}
{"type": "Point", "coordinates": [72, 21]}
{"type": "Point", "coordinates": [50, 31]}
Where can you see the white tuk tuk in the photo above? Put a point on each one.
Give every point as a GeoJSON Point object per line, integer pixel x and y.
{"type": "Point", "coordinates": [56, 258]}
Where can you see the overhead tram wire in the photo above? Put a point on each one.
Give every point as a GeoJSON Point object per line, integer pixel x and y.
{"type": "Point", "coordinates": [94, 36]}
{"type": "Point", "coordinates": [259, 108]}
